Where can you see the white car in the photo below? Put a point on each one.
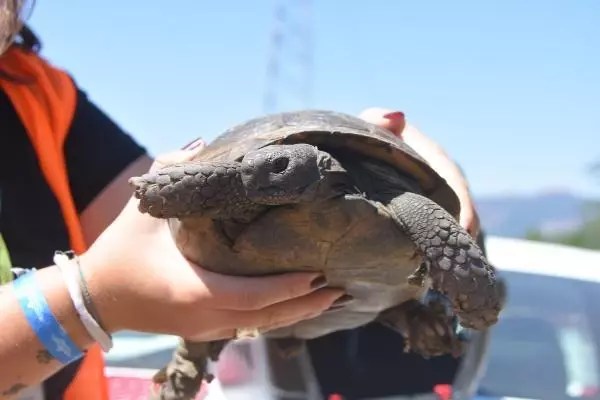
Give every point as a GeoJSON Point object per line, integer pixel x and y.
{"type": "Point", "coordinates": [546, 346]}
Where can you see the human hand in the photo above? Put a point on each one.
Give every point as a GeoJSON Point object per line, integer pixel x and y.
{"type": "Point", "coordinates": [141, 281]}
{"type": "Point", "coordinates": [395, 122]}
{"type": "Point", "coordinates": [469, 218]}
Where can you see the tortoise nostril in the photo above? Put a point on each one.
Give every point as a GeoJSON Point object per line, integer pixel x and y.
{"type": "Point", "coordinates": [280, 164]}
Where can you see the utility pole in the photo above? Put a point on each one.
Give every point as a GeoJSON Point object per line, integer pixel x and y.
{"type": "Point", "coordinates": [290, 61]}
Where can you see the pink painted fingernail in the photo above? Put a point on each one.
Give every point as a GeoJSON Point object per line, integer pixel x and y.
{"type": "Point", "coordinates": [318, 283]}
{"type": "Point", "coordinates": [194, 144]}
{"type": "Point", "coordinates": [396, 115]}
{"type": "Point", "coordinates": [341, 302]}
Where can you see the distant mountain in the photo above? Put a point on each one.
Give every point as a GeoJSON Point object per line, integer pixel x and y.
{"type": "Point", "coordinates": [514, 216]}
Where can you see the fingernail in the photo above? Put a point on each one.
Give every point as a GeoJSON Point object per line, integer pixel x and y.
{"type": "Point", "coordinates": [194, 144]}
{"type": "Point", "coordinates": [318, 283]}
{"type": "Point", "coordinates": [341, 302]}
{"type": "Point", "coordinates": [393, 116]}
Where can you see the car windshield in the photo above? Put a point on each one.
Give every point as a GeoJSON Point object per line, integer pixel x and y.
{"type": "Point", "coordinates": [548, 341]}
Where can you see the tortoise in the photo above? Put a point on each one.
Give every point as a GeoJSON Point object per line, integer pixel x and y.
{"type": "Point", "coordinates": [318, 190]}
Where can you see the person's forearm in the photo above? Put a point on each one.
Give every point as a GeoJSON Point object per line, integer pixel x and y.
{"type": "Point", "coordinates": [25, 361]}
{"type": "Point", "coordinates": [439, 161]}
{"type": "Point", "coordinates": [102, 211]}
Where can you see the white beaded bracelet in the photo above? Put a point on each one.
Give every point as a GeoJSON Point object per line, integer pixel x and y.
{"type": "Point", "coordinates": [70, 276]}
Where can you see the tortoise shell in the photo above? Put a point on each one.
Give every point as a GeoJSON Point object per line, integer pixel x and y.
{"type": "Point", "coordinates": [330, 130]}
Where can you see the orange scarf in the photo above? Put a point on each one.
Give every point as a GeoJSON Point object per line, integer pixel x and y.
{"type": "Point", "coordinates": [46, 107]}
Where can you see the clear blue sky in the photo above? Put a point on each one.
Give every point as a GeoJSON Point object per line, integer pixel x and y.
{"type": "Point", "coordinates": [511, 88]}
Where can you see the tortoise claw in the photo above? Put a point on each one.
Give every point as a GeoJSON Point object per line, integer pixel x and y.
{"type": "Point", "coordinates": [428, 330]}
{"type": "Point", "coordinates": [182, 378]}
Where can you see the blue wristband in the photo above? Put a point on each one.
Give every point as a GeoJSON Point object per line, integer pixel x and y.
{"type": "Point", "coordinates": [48, 330]}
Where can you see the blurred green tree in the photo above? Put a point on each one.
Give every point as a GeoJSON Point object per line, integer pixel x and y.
{"type": "Point", "coordinates": [586, 236]}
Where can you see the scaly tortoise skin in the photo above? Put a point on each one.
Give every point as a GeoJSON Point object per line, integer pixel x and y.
{"type": "Point", "coordinates": [324, 191]}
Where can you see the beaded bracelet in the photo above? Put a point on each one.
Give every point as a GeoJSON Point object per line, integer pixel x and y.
{"type": "Point", "coordinates": [43, 322]}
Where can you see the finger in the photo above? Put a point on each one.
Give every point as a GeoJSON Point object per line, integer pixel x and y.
{"type": "Point", "coordinates": [464, 221]}
{"type": "Point", "coordinates": [230, 333]}
{"type": "Point", "coordinates": [291, 321]}
{"type": "Point", "coordinates": [473, 231]}
{"type": "Point", "coordinates": [185, 154]}
{"type": "Point", "coordinates": [255, 293]}
{"type": "Point", "coordinates": [198, 143]}
{"type": "Point", "coordinates": [391, 120]}
{"type": "Point", "coordinates": [469, 222]}
{"type": "Point", "coordinates": [294, 309]}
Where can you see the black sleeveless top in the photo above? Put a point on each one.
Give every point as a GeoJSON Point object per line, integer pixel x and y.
{"type": "Point", "coordinates": [31, 223]}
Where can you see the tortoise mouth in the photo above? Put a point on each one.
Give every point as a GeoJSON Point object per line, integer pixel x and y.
{"type": "Point", "coordinates": [275, 195]}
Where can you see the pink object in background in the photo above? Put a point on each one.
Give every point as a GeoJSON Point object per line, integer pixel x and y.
{"type": "Point", "coordinates": [443, 391]}
{"type": "Point", "coordinates": [134, 384]}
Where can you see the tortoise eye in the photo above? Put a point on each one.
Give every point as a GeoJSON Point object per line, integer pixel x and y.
{"type": "Point", "coordinates": [280, 164]}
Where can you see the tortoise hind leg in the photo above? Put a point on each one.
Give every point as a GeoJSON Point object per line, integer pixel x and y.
{"type": "Point", "coordinates": [182, 378]}
{"type": "Point", "coordinates": [427, 329]}
{"type": "Point", "coordinates": [194, 189]}
{"type": "Point", "coordinates": [458, 267]}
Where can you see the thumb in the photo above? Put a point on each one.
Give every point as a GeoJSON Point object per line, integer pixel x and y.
{"type": "Point", "coordinates": [253, 293]}
{"type": "Point", "coordinates": [186, 154]}
{"type": "Point", "coordinates": [391, 120]}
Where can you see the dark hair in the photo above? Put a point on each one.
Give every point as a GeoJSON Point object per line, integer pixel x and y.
{"type": "Point", "coordinates": [27, 40]}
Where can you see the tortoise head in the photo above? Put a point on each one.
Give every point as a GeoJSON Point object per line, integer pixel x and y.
{"type": "Point", "coordinates": [282, 174]}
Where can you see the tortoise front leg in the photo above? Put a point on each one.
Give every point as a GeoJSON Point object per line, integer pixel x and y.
{"type": "Point", "coordinates": [427, 329]}
{"type": "Point", "coordinates": [458, 267]}
{"type": "Point", "coordinates": [182, 378]}
{"type": "Point", "coordinates": [194, 189]}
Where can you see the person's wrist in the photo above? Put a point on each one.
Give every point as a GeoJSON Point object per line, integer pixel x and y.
{"type": "Point", "coordinates": [104, 290]}
{"type": "Point", "coordinates": [56, 292]}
